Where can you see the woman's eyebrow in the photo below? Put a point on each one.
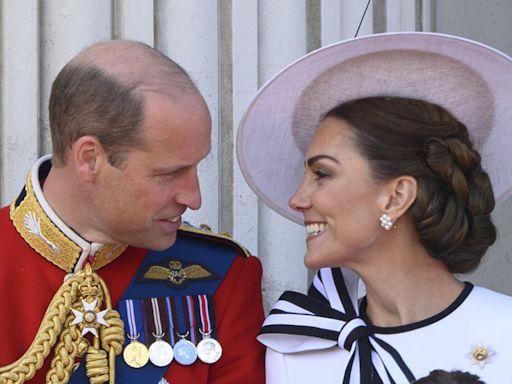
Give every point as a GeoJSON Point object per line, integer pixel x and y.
{"type": "Point", "coordinates": [314, 159]}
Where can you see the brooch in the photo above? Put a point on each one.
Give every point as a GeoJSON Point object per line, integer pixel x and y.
{"type": "Point", "coordinates": [480, 355]}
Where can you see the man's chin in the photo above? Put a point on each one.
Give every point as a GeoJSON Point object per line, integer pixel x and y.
{"type": "Point", "coordinates": [162, 244]}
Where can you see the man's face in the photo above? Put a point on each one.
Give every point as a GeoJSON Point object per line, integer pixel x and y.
{"type": "Point", "coordinates": [141, 204]}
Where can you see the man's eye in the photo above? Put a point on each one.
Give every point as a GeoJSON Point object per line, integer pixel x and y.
{"type": "Point", "coordinates": [166, 176]}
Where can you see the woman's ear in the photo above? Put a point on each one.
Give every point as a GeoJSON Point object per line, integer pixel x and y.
{"type": "Point", "coordinates": [401, 194]}
{"type": "Point", "coordinates": [87, 154]}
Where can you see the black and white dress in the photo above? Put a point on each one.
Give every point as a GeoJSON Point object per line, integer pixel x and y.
{"type": "Point", "coordinates": [325, 337]}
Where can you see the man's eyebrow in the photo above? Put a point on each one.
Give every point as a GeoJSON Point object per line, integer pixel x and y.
{"type": "Point", "coordinates": [314, 159]}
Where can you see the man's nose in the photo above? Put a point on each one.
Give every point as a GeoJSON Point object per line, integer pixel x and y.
{"type": "Point", "coordinates": [190, 193]}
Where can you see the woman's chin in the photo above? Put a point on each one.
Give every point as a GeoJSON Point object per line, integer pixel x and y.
{"type": "Point", "coordinates": [313, 263]}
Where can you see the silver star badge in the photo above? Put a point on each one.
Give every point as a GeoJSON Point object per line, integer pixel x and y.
{"type": "Point", "coordinates": [89, 317]}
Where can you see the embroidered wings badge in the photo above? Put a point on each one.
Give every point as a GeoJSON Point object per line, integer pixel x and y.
{"type": "Point", "coordinates": [176, 274]}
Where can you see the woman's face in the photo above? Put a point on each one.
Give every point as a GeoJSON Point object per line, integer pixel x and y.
{"type": "Point", "coordinates": [340, 200]}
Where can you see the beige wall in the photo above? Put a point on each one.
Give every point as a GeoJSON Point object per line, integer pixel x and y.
{"type": "Point", "coordinates": [230, 47]}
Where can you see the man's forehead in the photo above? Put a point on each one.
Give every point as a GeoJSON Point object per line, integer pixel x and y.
{"type": "Point", "coordinates": [172, 119]}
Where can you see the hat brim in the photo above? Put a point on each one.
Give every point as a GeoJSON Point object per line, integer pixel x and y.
{"type": "Point", "coordinates": [471, 80]}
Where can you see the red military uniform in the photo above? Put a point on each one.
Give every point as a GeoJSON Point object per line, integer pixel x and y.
{"type": "Point", "coordinates": [38, 251]}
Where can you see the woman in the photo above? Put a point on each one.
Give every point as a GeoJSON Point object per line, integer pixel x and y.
{"type": "Point", "coordinates": [391, 130]}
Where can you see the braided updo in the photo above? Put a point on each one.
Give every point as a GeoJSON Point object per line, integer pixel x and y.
{"type": "Point", "coordinates": [412, 137]}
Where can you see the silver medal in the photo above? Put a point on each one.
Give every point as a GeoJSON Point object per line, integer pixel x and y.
{"type": "Point", "coordinates": [161, 353]}
{"type": "Point", "coordinates": [185, 352]}
{"type": "Point", "coordinates": [209, 350]}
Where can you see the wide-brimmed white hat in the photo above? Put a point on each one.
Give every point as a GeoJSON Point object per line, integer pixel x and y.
{"type": "Point", "coordinates": [469, 79]}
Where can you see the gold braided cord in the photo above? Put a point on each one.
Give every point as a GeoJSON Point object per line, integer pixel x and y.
{"type": "Point", "coordinates": [70, 346]}
{"type": "Point", "coordinates": [115, 337]}
{"type": "Point", "coordinates": [26, 366]}
{"type": "Point", "coordinates": [96, 365]}
{"type": "Point", "coordinates": [57, 324]}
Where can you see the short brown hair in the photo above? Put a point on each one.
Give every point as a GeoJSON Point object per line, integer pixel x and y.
{"type": "Point", "coordinates": [402, 136]}
{"type": "Point", "coordinates": [85, 101]}
{"type": "Point", "coordinates": [90, 96]}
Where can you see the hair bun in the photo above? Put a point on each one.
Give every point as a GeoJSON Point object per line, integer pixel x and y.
{"type": "Point", "coordinates": [453, 161]}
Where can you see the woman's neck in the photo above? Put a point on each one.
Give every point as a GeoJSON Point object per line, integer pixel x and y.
{"type": "Point", "coordinates": [406, 288]}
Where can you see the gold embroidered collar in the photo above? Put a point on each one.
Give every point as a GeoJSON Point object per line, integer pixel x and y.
{"type": "Point", "coordinates": [47, 234]}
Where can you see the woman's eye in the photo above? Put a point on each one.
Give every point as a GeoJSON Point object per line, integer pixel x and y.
{"type": "Point", "coordinates": [320, 174]}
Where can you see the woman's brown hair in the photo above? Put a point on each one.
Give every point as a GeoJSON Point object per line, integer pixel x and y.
{"type": "Point", "coordinates": [402, 136]}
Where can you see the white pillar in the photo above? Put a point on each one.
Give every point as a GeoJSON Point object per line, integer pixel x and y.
{"type": "Point", "coordinates": [133, 20]}
{"type": "Point", "coordinates": [352, 14]}
{"type": "Point", "coordinates": [401, 15]}
{"type": "Point", "coordinates": [187, 32]}
{"type": "Point", "coordinates": [68, 26]}
{"type": "Point", "coordinates": [19, 137]}
{"type": "Point", "coordinates": [245, 86]}
{"type": "Point", "coordinates": [282, 32]}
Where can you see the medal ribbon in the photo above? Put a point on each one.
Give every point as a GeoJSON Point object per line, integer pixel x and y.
{"type": "Point", "coordinates": [156, 320]}
{"type": "Point", "coordinates": [182, 318]}
{"type": "Point", "coordinates": [132, 329]}
{"type": "Point", "coordinates": [191, 319]}
{"type": "Point", "coordinates": [326, 317]}
{"type": "Point", "coordinates": [172, 339]}
{"type": "Point", "coordinates": [133, 312]}
{"type": "Point", "coordinates": [205, 314]}
{"type": "Point", "coordinates": [156, 317]}
{"type": "Point", "coordinates": [180, 315]}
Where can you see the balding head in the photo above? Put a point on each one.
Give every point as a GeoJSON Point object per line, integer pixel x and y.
{"type": "Point", "coordinates": [101, 93]}
{"type": "Point", "coordinates": [137, 65]}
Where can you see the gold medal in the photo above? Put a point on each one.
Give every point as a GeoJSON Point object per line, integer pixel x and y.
{"type": "Point", "coordinates": [135, 354]}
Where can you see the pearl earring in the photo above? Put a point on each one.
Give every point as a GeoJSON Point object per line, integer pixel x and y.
{"type": "Point", "coordinates": [386, 222]}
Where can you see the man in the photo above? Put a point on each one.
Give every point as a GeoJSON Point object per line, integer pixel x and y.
{"type": "Point", "coordinates": [128, 131]}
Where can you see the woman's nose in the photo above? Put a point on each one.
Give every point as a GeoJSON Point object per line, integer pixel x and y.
{"type": "Point", "coordinates": [300, 199]}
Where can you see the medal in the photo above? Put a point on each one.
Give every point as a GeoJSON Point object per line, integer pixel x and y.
{"type": "Point", "coordinates": [161, 353]}
{"type": "Point", "coordinates": [209, 350]}
{"type": "Point", "coordinates": [136, 354]}
{"type": "Point", "coordinates": [185, 352]}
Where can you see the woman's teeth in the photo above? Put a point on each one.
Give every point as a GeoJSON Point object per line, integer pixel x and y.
{"type": "Point", "coordinates": [315, 229]}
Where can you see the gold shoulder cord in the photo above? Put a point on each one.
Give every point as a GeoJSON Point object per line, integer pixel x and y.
{"type": "Point", "coordinates": [205, 230]}
{"type": "Point", "coordinates": [73, 312]}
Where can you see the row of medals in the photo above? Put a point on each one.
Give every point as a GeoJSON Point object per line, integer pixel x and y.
{"type": "Point", "coordinates": [161, 353]}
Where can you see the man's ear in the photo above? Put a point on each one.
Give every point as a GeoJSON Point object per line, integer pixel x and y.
{"type": "Point", "coordinates": [87, 155]}
{"type": "Point", "coordinates": [401, 193]}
